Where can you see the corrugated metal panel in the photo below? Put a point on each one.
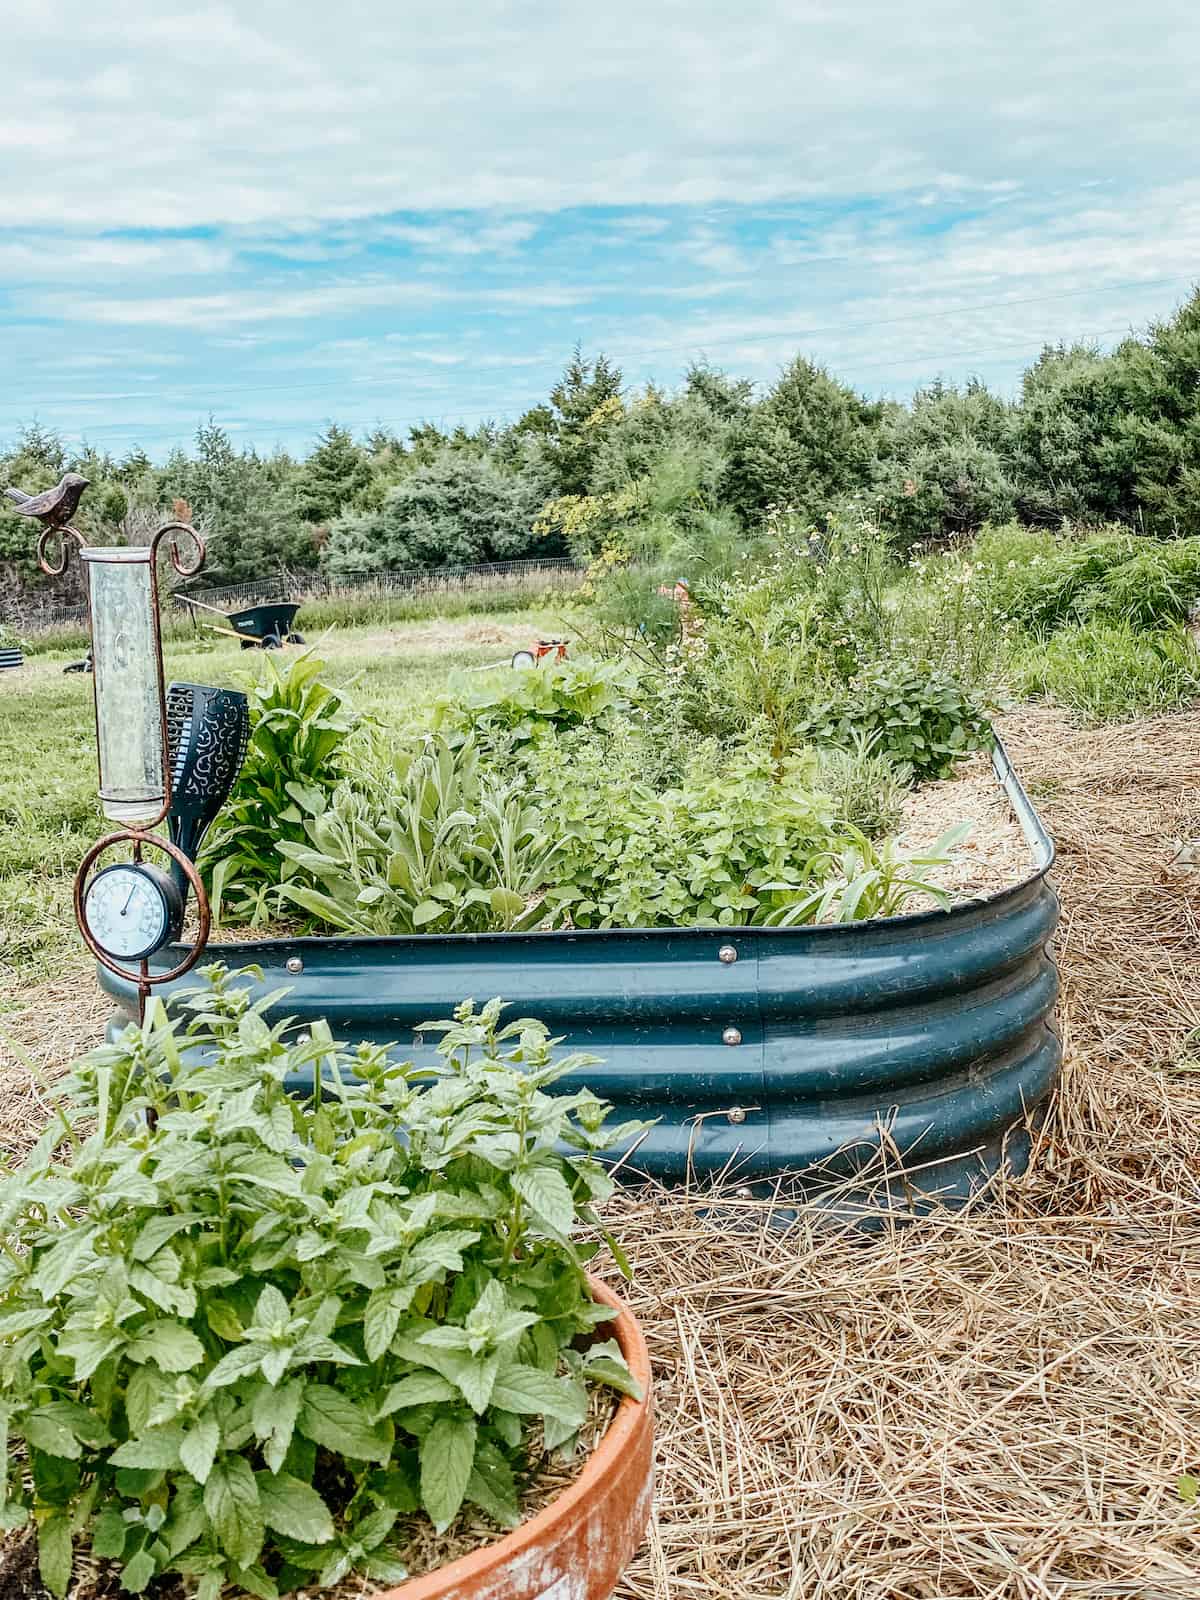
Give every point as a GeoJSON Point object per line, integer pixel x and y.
{"type": "Point", "coordinates": [935, 1027]}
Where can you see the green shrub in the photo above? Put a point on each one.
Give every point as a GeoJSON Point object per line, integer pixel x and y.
{"type": "Point", "coordinates": [634, 857]}
{"type": "Point", "coordinates": [245, 1333]}
{"type": "Point", "coordinates": [298, 731]}
{"type": "Point", "coordinates": [512, 705]}
{"type": "Point", "coordinates": [920, 715]}
{"type": "Point", "coordinates": [458, 509]}
{"type": "Point", "coordinates": [1111, 672]}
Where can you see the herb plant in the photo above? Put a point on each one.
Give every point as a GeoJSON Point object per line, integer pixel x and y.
{"type": "Point", "coordinates": [429, 842]}
{"type": "Point", "coordinates": [862, 880]}
{"type": "Point", "coordinates": [298, 729]}
{"type": "Point", "coordinates": [921, 716]}
{"type": "Point", "coordinates": [243, 1334]}
{"type": "Point", "coordinates": [513, 707]}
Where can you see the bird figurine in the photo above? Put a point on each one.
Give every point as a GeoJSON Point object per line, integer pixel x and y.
{"type": "Point", "coordinates": [55, 507]}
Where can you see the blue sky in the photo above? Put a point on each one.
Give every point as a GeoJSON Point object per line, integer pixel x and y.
{"type": "Point", "coordinates": [288, 213]}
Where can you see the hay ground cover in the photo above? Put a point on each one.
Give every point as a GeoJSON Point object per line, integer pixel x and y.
{"type": "Point", "coordinates": [994, 1403]}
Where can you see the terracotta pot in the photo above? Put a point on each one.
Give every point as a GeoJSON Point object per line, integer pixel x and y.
{"type": "Point", "coordinates": [577, 1548]}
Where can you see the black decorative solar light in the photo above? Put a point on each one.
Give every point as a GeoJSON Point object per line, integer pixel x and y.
{"type": "Point", "coordinates": [207, 733]}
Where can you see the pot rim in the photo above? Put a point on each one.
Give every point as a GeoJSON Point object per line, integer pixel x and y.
{"type": "Point", "coordinates": [607, 1461]}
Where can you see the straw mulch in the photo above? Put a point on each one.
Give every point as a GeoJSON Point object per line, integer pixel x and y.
{"type": "Point", "coordinates": [996, 1403]}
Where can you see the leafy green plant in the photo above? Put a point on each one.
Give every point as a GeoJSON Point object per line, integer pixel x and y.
{"type": "Point", "coordinates": [921, 715]}
{"type": "Point", "coordinates": [299, 725]}
{"type": "Point", "coordinates": [866, 786]}
{"type": "Point", "coordinates": [755, 666]}
{"type": "Point", "coordinates": [429, 843]}
{"type": "Point", "coordinates": [516, 706]}
{"type": "Point", "coordinates": [695, 853]}
{"type": "Point", "coordinates": [243, 1333]}
{"type": "Point", "coordinates": [864, 880]}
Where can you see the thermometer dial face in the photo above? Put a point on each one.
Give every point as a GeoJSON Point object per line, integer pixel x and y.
{"type": "Point", "coordinates": [132, 910]}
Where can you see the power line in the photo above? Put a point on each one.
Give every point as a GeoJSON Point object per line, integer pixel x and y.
{"type": "Point", "coordinates": [693, 344]}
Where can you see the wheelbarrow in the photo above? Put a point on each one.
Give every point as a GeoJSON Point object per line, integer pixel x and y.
{"type": "Point", "coordinates": [263, 627]}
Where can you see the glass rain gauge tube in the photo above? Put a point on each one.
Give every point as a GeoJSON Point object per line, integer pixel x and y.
{"type": "Point", "coordinates": [127, 678]}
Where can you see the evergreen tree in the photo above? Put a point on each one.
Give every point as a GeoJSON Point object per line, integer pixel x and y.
{"type": "Point", "coordinates": [584, 403]}
{"type": "Point", "coordinates": [810, 441]}
{"type": "Point", "coordinates": [335, 478]}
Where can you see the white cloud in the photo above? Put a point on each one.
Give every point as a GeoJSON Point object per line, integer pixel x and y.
{"type": "Point", "coordinates": [145, 116]}
{"type": "Point", "coordinates": [262, 306]}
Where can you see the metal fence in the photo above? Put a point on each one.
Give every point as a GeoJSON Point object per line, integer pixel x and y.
{"type": "Point", "coordinates": [504, 577]}
{"type": "Point", "coordinates": [559, 572]}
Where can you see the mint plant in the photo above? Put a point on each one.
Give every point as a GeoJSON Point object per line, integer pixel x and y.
{"type": "Point", "coordinates": [241, 1333]}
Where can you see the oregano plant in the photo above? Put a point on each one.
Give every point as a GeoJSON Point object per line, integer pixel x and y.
{"type": "Point", "coordinates": [243, 1332]}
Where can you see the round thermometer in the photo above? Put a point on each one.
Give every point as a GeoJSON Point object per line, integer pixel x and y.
{"type": "Point", "coordinates": [132, 909]}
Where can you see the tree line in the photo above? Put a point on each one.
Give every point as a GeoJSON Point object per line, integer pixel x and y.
{"type": "Point", "coordinates": [690, 475]}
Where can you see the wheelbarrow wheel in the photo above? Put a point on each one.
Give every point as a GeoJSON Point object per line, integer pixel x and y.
{"type": "Point", "coordinates": [272, 641]}
{"type": "Point", "coordinates": [523, 658]}
{"type": "Point", "coordinates": [295, 638]}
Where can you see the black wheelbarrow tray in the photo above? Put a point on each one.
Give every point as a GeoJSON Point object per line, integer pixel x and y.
{"type": "Point", "coordinates": [267, 627]}
{"type": "Point", "coordinates": [871, 1064]}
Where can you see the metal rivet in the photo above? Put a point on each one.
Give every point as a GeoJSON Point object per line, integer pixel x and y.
{"type": "Point", "coordinates": [294, 964]}
{"type": "Point", "coordinates": [736, 1114]}
{"type": "Point", "coordinates": [727, 954]}
{"type": "Point", "coordinates": [732, 1036]}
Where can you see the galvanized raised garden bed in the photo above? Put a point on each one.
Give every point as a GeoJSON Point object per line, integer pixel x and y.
{"type": "Point", "coordinates": [762, 1051]}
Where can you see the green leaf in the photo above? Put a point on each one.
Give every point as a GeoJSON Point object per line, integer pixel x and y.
{"type": "Point", "coordinates": [55, 1557]}
{"type": "Point", "coordinates": [1189, 1489]}
{"type": "Point", "coordinates": [224, 1320]}
{"type": "Point", "coordinates": [254, 1580]}
{"type": "Point", "coordinates": [234, 1364]}
{"type": "Point", "coordinates": [274, 1419]}
{"type": "Point", "coordinates": [155, 1233]}
{"type": "Point", "coordinates": [199, 1448]}
{"type": "Point", "coordinates": [604, 1363]}
{"type": "Point", "coordinates": [447, 1456]}
{"type": "Point", "coordinates": [426, 911]}
{"type": "Point", "coordinates": [492, 1486]}
{"type": "Point", "coordinates": [63, 1262]}
{"type": "Point", "coordinates": [328, 1418]}
{"type": "Point", "coordinates": [418, 1389]}
{"type": "Point", "coordinates": [51, 1436]}
{"type": "Point", "coordinates": [277, 1130]}
{"type": "Point", "coordinates": [293, 1508]}
{"type": "Point", "coordinates": [231, 1500]}
{"type": "Point", "coordinates": [382, 1318]}
{"type": "Point", "coordinates": [138, 1571]}
{"type": "Point", "coordinates": [476, 1377]}
{"type": "Point", "coordinates": [108, 1535]}
{"type": "Point", "coordinates": [506, 904]}
{"type": "Point", "coordinates": [155, 1450]}
{"type": "Point", "coordinates": [618, 1254]}
{"type": "Point", "coordinates": [530, 1391]}
{"type": "Point", "coordinates": [169, 1345]}
{"type": "Point", "coordinates": [548, 1195]}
